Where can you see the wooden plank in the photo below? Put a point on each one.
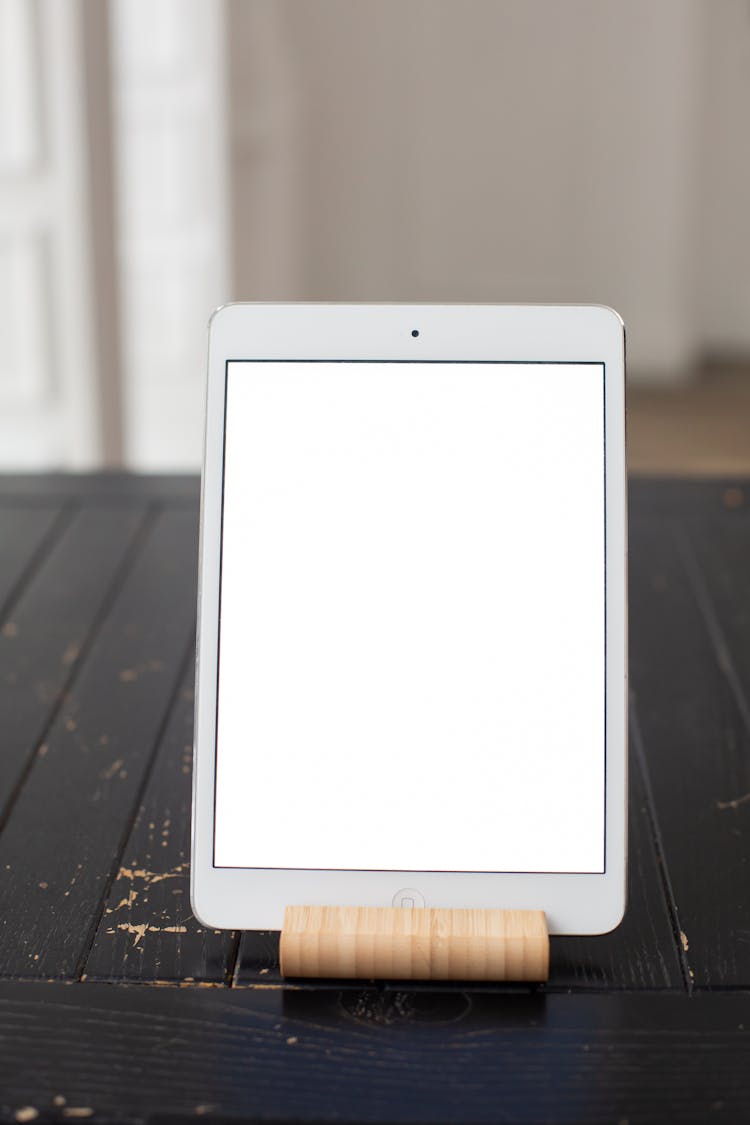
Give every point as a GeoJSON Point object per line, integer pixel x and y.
{"type": "Point", "coordinates": [671, 496]}
{"type": "Point", "coordinates": [158, 1054]}
{"type": "Point", "coordinates": [62, 844]}
{"type": "Point", "coordinates": [642, 952]}
{"type": "Point", "coordinates": [647, 494]}
{"type": "Point", "coordinates": [715, 554]}
{"type": "Point", "coordinates": [26, 534]}
{"type": "Point", "coordinates": [50, 626]}
{"type": "Point", "coordinates": [696, 747]}
{"type": "Point", "coordinates": [147, 931]}
{"type": "Point", "coordinates": [84, 487]}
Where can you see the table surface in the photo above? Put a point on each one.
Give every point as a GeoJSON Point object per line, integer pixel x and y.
{"type": "Point", "coordinates": [116, 1004]}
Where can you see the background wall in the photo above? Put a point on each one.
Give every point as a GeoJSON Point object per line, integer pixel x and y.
{"type": "Point", "coordinates": [169, 155]}
{"type": "Point", "coordinates": [526, 150]}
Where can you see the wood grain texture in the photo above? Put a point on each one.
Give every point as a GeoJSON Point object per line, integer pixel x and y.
{"type": "Point", "coordinates": [62, 843]}
{"type": "Point", "coordinates": [50, 625]}
{"type": "Point", "coordinates": [147, 931]}
{"type": "Point", "coordinates": [714, 553]}
{"type": "Point", "coordinates": [612, 1036]}
{"type": "Point", "coordinates": [644, 952]}
{"type": "Point", "coordinates": [397, 943]}
{"type": "Point", "coordinates": [168, 1054]}
{"type": "Point", "coordinates": [696, 747]}
{"type": "Point", "coordinates": [26, 535]}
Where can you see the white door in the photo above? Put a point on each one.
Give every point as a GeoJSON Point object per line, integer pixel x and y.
{"type": "Point", "coordinates": [49, 403]}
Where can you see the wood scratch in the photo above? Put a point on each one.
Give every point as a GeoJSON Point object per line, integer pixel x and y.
{"type": "Point", "coordinates": [151, 876]}
{"type": "Point", "coordinates": [139, 931]}
{"type": "Point", "coordinates": [134, 873]}
{"type": "Point", "coordinates": [132, 896]}
{"type": "Point", "coordinates": [110, 771]}
{"type": "Point", "coordinates": [733, 498]}
{"type": "Point", "coordinates": [734, 804]}
{"type": "Point", "coordinates": [684, 940]}
{"type": "Point", "coordinates": [144, 927]}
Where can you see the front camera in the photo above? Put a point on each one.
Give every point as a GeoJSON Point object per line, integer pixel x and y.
{"type": "Point", "coordinates": [415, 331]}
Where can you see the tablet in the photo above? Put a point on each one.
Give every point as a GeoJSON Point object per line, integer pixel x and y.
{"type": "Point", "coordinates": [411, 675]}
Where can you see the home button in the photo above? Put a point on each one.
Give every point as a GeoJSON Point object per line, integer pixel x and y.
{"type": "Point", "coordinates": [408, 897]}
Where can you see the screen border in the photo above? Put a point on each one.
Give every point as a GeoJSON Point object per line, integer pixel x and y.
{"type": "Point", "coordinates": [255, 898]}
{"type": "Point", "coordinates": [441, 362]}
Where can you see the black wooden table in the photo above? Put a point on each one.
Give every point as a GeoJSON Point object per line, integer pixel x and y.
{"type": "Point", "coordinates": [116, 1005]}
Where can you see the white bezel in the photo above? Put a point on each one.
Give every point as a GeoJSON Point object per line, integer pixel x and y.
{"type": "Point", "coordinates": [234, 898]}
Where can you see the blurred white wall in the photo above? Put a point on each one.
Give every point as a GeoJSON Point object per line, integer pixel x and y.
{"type": "Point", "coordinates": [158, 157]}
{"type": "Point", "coordinates": [721, 262]}
{"type": "Point", "coordinates": [505, 150]}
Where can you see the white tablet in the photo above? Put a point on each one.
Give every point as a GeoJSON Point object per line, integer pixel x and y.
{"type": "Point", "coordinates": [412, 631]}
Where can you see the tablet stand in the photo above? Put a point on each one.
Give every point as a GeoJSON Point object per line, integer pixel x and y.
{"type": "Point", "coordinates": [407, 943]}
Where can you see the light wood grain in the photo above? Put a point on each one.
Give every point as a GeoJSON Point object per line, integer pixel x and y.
{"type": "Point", "coordinates": [398, 943]}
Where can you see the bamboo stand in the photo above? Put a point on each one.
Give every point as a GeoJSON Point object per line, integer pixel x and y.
{"type": "Point", "coordinates": [404, 943]}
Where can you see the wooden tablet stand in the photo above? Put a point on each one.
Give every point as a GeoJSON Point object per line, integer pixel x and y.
{"type": "Point", "coordinates": [405, 943]}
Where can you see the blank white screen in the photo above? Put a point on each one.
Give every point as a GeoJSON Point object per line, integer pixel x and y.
{"type": "Point", "coordinates": [411, 664]}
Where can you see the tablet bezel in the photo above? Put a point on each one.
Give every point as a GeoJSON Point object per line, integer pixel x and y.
{"type": "Point", "coordinates": [255, 898]}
